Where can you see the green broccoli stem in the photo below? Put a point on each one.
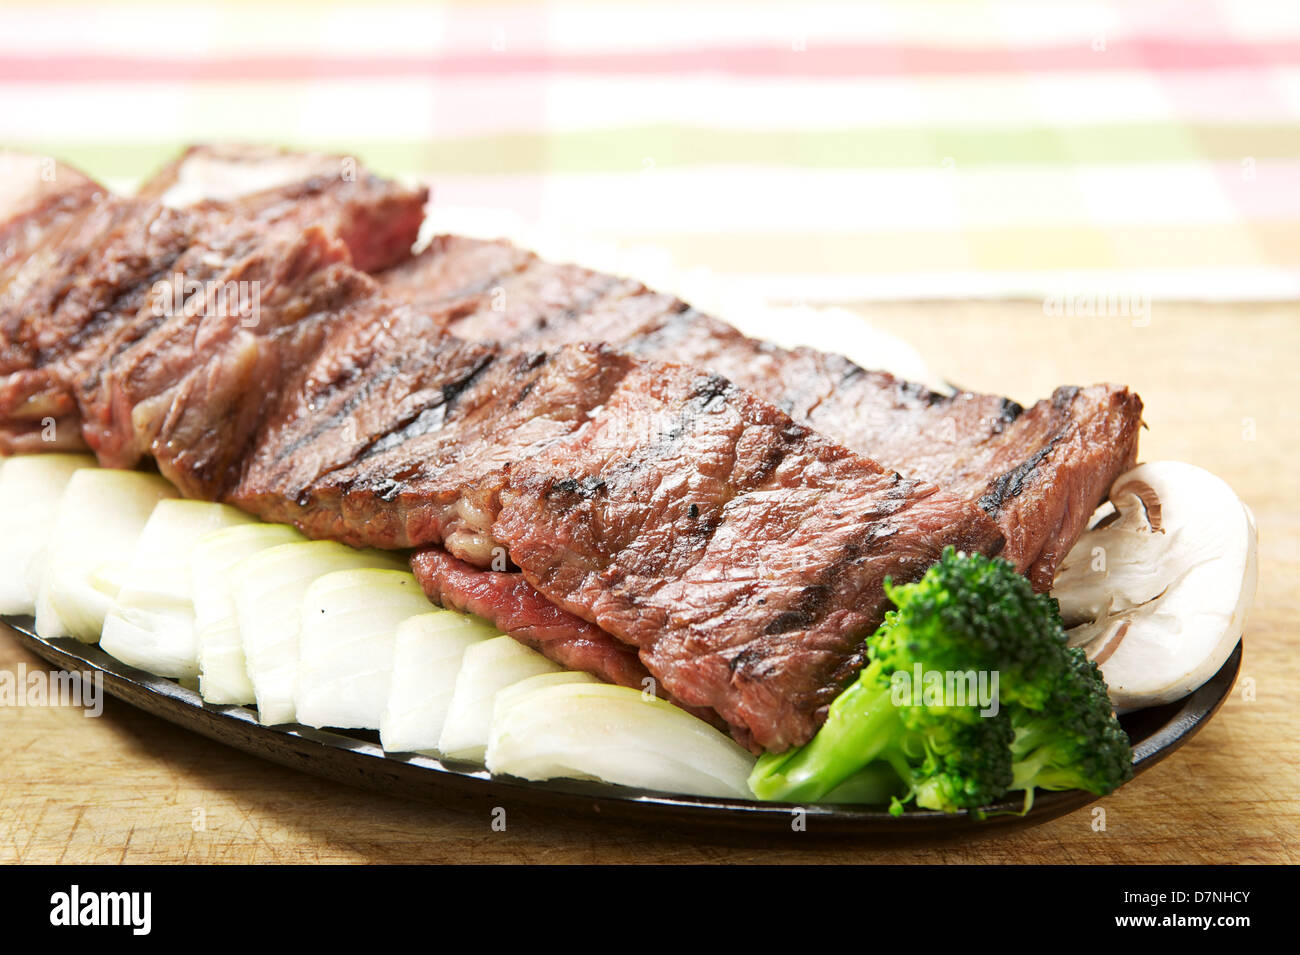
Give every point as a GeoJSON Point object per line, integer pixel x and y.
{"type": "Point", "coordinates": [1042, 769]}
{"type": "Point", "coordinates": [1038, 762]}
{"type": "Point", "coordinates": [875, 784]}
{"type": "Point", "coordinates": [862, 723]}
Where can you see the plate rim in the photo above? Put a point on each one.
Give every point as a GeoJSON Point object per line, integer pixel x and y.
{"type": "Point", "coordinates": [362, 763]}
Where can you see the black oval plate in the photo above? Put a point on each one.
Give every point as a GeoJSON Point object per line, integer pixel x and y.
{"type": "Point", "coordinates": [356, 758]}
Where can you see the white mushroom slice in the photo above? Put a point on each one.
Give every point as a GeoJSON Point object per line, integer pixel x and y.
{"type": "Point", "coordinates": [1159, 596]}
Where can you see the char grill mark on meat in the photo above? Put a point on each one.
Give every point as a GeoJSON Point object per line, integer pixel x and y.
{"type": "Point", "coordinates": [365, 392]}
{"type": "Point", "coordinates": [43, 209]}
{"type": "Point", "coordinates": [523, 305]}
{"type": "Point", "coordinates": [1038, 473]}
{"type": "Point", "coordinates": [1087, 437]}
{"type": "Point", "coordinates": [195, 391]}
{"type": "Point", "coordinates": [437, 484]}
{"type": "Point", "coordinates": [41, 206]}
{"type": "Point", "coordinates": [454, 275]}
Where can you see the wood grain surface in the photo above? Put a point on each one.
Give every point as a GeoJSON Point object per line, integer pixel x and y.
{"type": "Point", "coordinates": [1218, 382]}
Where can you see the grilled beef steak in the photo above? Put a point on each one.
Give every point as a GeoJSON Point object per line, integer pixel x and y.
{"type": "Point", "coordinates": [368, 422]}
{"type": "Point", "coordinates": [192, 392]}
{"type": "Point", "coordinates": [1039, 473]}
{"type": "Point", "coordinates": [41, 203]}
{"type": "Point", "coordinates": [43, 209]}
{"type": "Point", "coordinates": [102, 278]}
{"type": "Point", "coordinates": [104, 266]}
{"type": "Point", "coordinates": [532, 619]}
{"type": "Point", "coordinates": [377, 219]}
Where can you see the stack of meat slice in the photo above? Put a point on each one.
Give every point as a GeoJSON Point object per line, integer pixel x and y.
{"type": "Point", "coordinates": [715, 524]}
{"type": "Point", "coordinates": [86, 274]}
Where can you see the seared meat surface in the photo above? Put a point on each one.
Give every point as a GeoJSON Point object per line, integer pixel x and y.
{"type": "Point", "coordinates": [517, 608]}
{"type": "Point", "coordinates": [376, 218]}
{"type": "Point", "coordinates": [41, 201]}
{"type": "Point", "coordinates": [1038, 472]}
{"type": "Point", "coordinates": [105, 266]}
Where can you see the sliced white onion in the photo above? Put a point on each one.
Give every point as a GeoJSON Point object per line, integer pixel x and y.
{"type": "Point", "coordinates": [427, 656]}
{"type": "Point", "coordinates": [486, 668]}
{"type": "Point", "coordinates": [100, 517]}
{"type": "Point", "coordinates": [223, 672]}
{"type": "Point", "coordinates": [269, 587]}
{"type": "Point", "coordinates": [30, 488]}
{"type": "Point", "coordinates": [507, 696]}
{"type": "Point", "coordinates": [345, 653]}
{"type": "Point", "coordinates": [151, 625]}
{"type": "Point", "coordinates": [616, 734]}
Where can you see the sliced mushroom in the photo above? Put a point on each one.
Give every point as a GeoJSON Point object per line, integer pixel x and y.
{"type": "Point", "coordinates": [1158, 596]}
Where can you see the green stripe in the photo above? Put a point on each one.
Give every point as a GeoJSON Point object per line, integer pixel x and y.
{"type": "Point", "coordinates": [634, 149]}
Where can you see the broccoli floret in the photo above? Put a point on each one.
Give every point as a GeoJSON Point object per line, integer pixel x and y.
{"type": "Point", "coordinates": [947, 757]}
{"type": "Point", "coordinates": [975, 612]}
{"type": "Point", "coordinates": [1074, 740]}
{"type": "Point", "coordinates": [1051, 726]}
{"type": "Point", "coordinates": [961, 770]}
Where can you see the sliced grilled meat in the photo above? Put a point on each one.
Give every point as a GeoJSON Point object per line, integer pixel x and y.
{"type": "Point", "coordinates": [744, 554]}
{"type": "Point", "coordinates": [378, 219]}
{"type": "Point", "coordinates": [455, 275]}
{"type": "Point", "coordinates": [194, 392]}
{"type": "Point", "coordinates": [411, 475]}
{"type": "Point", "coordinates": [41, 202]}
{"type": "Point", "coordinates": [515, 606]}
{"type": "Point", "coordinates": [114, 270]}
{"type": "Point", "coordinates": [1039, 473]}
{"type": "Point", "coordinates": [44, 206]}
{"type": "Point", "coordinates": [105, 269]}
{"type": "Point", "coordinates": [738, 551]}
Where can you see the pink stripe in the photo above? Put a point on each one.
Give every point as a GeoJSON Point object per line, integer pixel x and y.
{"type": "Point", "coordinates": [839, 60]}
{"type": "Point", "coordinates": [1262, 190]}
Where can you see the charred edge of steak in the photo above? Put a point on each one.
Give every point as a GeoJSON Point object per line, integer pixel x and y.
{"type": "Point", "coordinates": [1012, 483]}
{"type": "Point", "coordinates": [1082, 485]}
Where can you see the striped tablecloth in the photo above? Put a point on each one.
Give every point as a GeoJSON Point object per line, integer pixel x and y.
{"type": "Point", "coordinates": [807, 151]}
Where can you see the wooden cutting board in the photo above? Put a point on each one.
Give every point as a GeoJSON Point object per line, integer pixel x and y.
{"type": "Point", "coordinates": [1218, 382]}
